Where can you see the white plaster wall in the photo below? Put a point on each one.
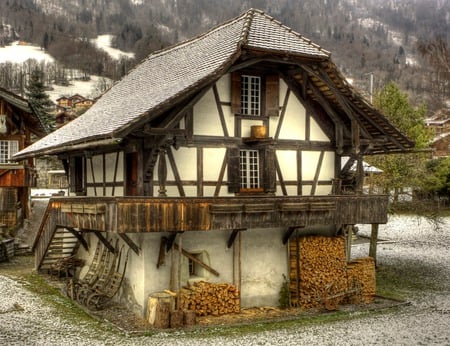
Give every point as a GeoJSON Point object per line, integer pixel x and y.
{"type": "Point", "coordinates": [316, 133]}
{"type": "Point", "coordinates": [327, 170]}
{"type": "Point", "coordinates": [212, 163]}
{"type": "Point", "coordinates": [110, 164]}
{"type": "Point", "coordinates": [224, 90]}
{"type": "Point", "coordinates": [186, 162]}
{"type": "Point", "coordinates": [206, 116]}
{"type": "Point", "coordinates": [287, 160]}
{"type": "Point", "coordinates": [310, 159]}
{"type": "Point", "coordinates": [263, 263]}
{"type": "Point", "coordinates": [294, 123]}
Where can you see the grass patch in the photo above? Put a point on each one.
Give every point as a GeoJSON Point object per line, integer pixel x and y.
{"type": "Point", "coordinates": [305, 320]}
{"type": "Point", "coordinates": [405, 280]}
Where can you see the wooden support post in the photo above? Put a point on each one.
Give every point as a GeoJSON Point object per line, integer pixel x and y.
{"type": "Point", "coordinates": [373, 242]}
{"type": "Point", "coordinates": [348, 231]}
{"type": "Point", "coordinates": [162, 173]}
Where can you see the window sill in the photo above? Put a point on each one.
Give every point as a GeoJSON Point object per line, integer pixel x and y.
{"type": "Point", "coordinates": [256, 191]}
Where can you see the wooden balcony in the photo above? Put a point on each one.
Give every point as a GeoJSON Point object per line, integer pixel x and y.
{"type": "Point", "coordinates": [143, 214]}
{"type": "Point", "coordinates": [69, 217]}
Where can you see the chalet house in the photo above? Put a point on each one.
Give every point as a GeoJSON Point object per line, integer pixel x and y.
{"type": "Point", "coordinates": [69, 102]}
{"type": "Point", "coordinates": [18, 123]}
{"type": "Point", "coordinates": [210, 160]}
{"type": "Point", "coordinates": [82, 104]}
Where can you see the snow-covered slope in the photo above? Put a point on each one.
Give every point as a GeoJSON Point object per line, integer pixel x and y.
{"type": "Point", "coordinates": [20, 52]}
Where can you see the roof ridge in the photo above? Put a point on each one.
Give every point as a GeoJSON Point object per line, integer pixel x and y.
{"type": "Point", "coordinates": [253, 11]}
{"type": "Point", "coordinates": [248, 15]}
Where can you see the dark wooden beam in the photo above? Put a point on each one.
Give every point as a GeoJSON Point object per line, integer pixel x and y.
{"type": "Point", "coordinates": [288, 234]}
{"type": "Point", "coordinates": [171, 240]}
{"type": "Point", "coordinates": [79, 236]}
{"type": "Point", "coordinates": [130, 243]}
{"type": "Point", "coordinates": [105, 241]}
{"type": "Point", "coordinates": [233, 235]}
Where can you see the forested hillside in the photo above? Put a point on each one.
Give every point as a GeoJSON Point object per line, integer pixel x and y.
{"type": "Point", "coordinates": [391, 39]}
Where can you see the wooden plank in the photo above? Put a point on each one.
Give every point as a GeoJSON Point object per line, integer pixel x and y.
{"type": "Point", "coordinates": [196, 260]}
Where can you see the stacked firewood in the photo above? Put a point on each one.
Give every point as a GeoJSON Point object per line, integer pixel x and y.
{"type": "Point", "coordinates": [321, 271]}
{"type": "Point", "coordinates": [321, 278]}
{"type": "Point", "coordinates": [361, 276]}
{"type": "Point", "coordinates": [210, 299]}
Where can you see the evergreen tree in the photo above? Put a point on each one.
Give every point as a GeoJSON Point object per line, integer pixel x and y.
{"type": "Point", "coordinates": [405, 171]}
{"type": "Point", "coordinates": [39, 100]}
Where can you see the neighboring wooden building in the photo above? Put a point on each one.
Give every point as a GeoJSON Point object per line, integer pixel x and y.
{"type": "Point", "coordinates": [440, 123]}
{"type": "Point", "coordinates": [71, 102]}
{"type": "Point", "coordinates": [82, 105]}
{"type": "Point", "coordinates": [210, 157]}
{"type": "Point", "coordinates": [18, 124]}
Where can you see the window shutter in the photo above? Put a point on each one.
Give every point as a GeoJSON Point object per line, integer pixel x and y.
{"type": "Point", "coordinates": [234, 182]}
{"type": "Point", "coordinates": [270, 175]}
{"type": "Point", "coordinates": [236, 92]}
{"type": "Point", "coordinates": [272, 95]}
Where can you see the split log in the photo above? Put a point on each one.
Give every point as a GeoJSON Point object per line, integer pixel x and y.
{"type": "Point", "coordinates": [176, 319]}
{"type": "Point", "coordinates": [162, 315]}
{"type": "Point", "coordinates": [189, 318]}
{"type": "Point", "coordinates": [157, 305]}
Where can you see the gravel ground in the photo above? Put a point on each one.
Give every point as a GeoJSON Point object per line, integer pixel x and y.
{"type": "Point", "coordinates": [410, 244]}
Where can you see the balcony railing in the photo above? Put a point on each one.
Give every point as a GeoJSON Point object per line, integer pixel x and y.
{"type": "Point", "coordinates": [143, 214]}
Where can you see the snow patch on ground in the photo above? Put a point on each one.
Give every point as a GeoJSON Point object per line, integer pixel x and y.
{"type": "Point", "coordinates": [20, 52]}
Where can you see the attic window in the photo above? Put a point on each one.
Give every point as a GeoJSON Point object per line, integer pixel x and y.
{"type": "Point", "coordinates": [250, 95]}
{"type": "Point", "coordinates": [254, 95]}
{"type": "Point", "coordinates": [7, 149]}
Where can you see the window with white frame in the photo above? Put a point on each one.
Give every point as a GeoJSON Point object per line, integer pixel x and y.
{"type": "Point", "coordinates": [7, 149]}
{"type": "Point", "coordinates": [250, 95]}
{"type": "Point", "coordinates": [249, 169]}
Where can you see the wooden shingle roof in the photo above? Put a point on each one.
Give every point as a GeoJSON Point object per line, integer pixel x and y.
{"type": "Point", "coordinates": [161, 79]}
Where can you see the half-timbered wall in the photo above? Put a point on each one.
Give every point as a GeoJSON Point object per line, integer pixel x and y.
{"type": "Point", "coordinates": [105, 175]}
{"type": "Point", "coordinates": [199, 170]}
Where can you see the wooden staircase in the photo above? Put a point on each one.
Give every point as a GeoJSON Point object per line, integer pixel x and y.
{"type": "Point", "coordinates": [52, 243]}
{"type": "Point", "coordinates": [63, 244]}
